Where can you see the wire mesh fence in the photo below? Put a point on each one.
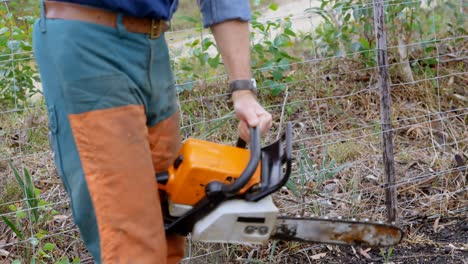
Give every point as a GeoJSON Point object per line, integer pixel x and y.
{"type": "Point", "coordinates": [316, 66]}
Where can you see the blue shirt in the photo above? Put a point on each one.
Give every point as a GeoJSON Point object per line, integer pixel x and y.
{"type": "Point", "coordinates": [213, 11]}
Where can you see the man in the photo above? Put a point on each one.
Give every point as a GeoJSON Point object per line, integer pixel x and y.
{"type": "Point", "coordinates": [113, 117]}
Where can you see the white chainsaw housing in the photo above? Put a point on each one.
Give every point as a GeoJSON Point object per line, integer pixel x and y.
{"type": "Point", "coordinates": [238, 221]}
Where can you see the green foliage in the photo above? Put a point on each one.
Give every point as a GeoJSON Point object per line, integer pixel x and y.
{"type": "Point", "coordinates": [347, 28]}
{"type": "Point", "coordinates": [24, 7]}
{"type": "Point", "coordinates": [29, 222]}
{"type": "Point", "coordinates": [17, 71]}
{"type": "Point", "coordinates": [198, 65]}
{"type": "Point", "coordinates": [387, 254]}
{"type": "Point", "coordinates": [271, 54]}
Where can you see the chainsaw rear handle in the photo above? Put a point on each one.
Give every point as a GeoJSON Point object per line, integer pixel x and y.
{"type": "Point", "coordinates": [230, 190]}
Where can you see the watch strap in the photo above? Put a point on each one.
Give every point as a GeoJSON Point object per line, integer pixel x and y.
{"type": "Point", "coordinates": [243, 85]}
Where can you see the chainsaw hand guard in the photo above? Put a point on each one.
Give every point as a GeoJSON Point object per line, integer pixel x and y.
{"type": "Point", "coordinates": [274, 157]}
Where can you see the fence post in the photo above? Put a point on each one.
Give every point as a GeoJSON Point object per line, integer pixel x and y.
{"type": "Point", "coordinates": [385, 110]}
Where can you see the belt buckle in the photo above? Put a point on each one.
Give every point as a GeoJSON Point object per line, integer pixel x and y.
{"type": "Point", "coordinates": [156, 28]}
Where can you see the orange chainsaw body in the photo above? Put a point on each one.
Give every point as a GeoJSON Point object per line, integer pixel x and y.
{"type": "Point", "coordinates": [201, 162]}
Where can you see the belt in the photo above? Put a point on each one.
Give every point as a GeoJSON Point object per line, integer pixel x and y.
{"type": "Point", "coordinates": [69, 11]}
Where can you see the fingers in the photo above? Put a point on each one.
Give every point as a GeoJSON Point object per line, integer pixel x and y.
{"type": "Point", "coordinates": [264, 124]}
{"type": "Point", "coordinates": [251, 114]}
{"type": "Point", "coordinates": [244, 131]}
{"type": "Point", "coordinates": [252, 118]}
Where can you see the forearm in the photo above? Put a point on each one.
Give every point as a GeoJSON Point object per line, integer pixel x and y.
{"type": "Point", "coordinates": [232, 38]}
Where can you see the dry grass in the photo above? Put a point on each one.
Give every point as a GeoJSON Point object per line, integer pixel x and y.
{"type": "Point", "coordinates": [430, 181]}
{"type": "Point", "coordinates": [334, 110]}
{"type": "Point", "coordinates": [341, 115]}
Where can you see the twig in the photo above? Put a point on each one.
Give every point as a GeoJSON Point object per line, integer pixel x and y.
{"type": "Point", "coordinates": [335, 198]}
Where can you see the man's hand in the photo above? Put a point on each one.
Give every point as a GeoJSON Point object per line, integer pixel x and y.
{"type": "Point", "coordinates": [250, 114]}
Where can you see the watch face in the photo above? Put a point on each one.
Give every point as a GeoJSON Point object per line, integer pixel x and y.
{"type": "Point", "coordinates": [254, 83]}
{"type": "Point", "coordinates": [243, 85]}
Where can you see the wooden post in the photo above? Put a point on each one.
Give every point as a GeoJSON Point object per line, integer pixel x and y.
{"type": "Point", "coordinates": [385, 110]}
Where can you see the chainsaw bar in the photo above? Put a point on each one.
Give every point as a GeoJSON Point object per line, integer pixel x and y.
{"type": "Point", "coordinates": [336, 231]}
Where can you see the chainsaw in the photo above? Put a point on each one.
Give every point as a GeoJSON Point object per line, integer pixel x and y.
{"type": "Point", "coordinates": [223, 194]}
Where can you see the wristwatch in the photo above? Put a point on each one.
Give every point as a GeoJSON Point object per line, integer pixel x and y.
{"type": "Point", "coordinates": [243, 85]}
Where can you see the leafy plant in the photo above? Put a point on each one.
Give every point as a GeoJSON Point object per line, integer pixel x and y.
{"type": "Point", "coordinates": [200, 63]}
{"type": "Point", "coordinates": [17, 72]}
{"type": "Point", "coordinates": [387, 254]}
{"type": "Point", "coordinates": [348, 31]}
{"type": "Point", "coordinates": [270, 55]}
{"type": "Point", "coordinates": [29, 222]}
{"type": "Point", "coordinates": [347, 28]}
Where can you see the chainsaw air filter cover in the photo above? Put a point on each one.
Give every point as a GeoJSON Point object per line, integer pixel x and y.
{"type": "Point", "coordinates": [201, 162]}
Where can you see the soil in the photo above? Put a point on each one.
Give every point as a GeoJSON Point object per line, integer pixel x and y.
{"type": "Point", "coordinates": [448, 245]}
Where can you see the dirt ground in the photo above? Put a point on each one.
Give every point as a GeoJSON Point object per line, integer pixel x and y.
{"type": "Point", "coordinates": [448, 245]}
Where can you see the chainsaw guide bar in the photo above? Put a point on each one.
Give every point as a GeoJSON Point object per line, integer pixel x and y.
{"type": "Point", "coordinates": [336, 231]}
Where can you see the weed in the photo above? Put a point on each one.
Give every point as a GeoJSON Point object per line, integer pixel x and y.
{"type": "Point", "coordinates": [271, 56]}
{"type": "Point", "coordinates": [29, 222]}
{"type": "Point", "coordinates": [386, 254]}
{"type": "Point", "coordinates": [345, 151]}
{"type": "Point", "coordinates": [312, 173]}
{"type": "Point", "coordinates": [17, 75]}
{"type": "Point", "coordinates": [347, 29]}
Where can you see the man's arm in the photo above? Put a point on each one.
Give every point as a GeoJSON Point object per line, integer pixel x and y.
{"type": "Point", "coordinates": [228, 21]}
{"type": "Point", "coordinates": [232, 38]}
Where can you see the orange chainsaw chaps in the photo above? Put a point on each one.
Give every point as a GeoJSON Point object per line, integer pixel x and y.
{"type": "Point", "coordinates": [204, 162]}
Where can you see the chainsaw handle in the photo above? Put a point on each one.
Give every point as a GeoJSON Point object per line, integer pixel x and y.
{"type": "Point", "coordinates": [241, 143]}
{"type": "Point", "coordinates": [255, 153]}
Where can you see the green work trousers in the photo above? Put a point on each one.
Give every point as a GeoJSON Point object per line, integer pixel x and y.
{"type": "Point", "coordinates": [114, 123]}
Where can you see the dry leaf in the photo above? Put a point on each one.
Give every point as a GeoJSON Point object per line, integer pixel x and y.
{"type": "Point", "coordinates": [318, 256]}
{"type": "Point", "coordinates": [436, 225]}
{"type": "Point", "coordinates": [60, 218]}
{"type": "Point", "coordinates": [372, 178]}
{"type": "Point", "coordinates": [324, 105]}
{"type": "Point", "coordinates": [330, 187]}
{"type": "Point", "coordinates": [452, 246]}
{"type": "Point", "coordinates": [461, 97]}
{"type": "Point", "coordinates": [4, 253]}
{"type": "Point", "coordinates": [364, 253]}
